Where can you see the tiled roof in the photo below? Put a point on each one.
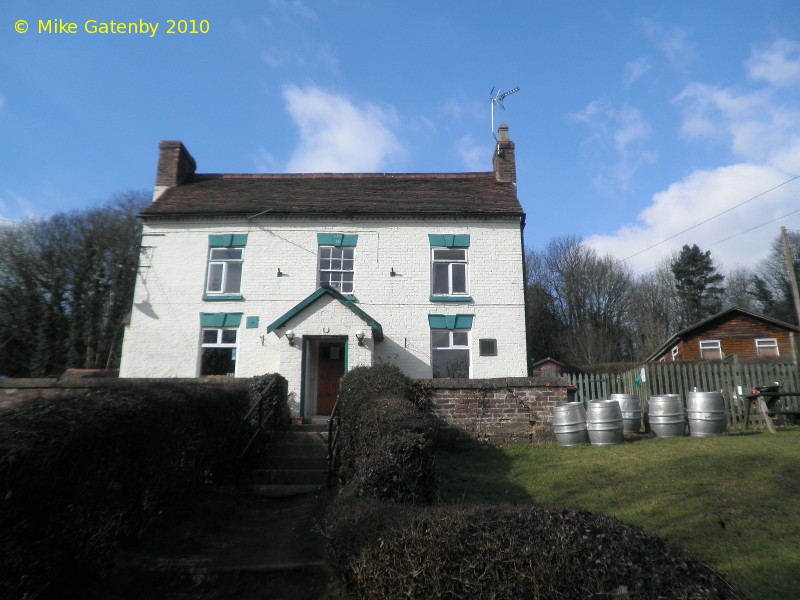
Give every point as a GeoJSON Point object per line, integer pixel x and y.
{"type": "Point", "coordinates": [338, 194]}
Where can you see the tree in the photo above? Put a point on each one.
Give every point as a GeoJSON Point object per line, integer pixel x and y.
{"type": "Point", "coordinates": [579, 304]}
{"type": "Point", "coordinates": [696, 280]}
{"type": "Point", "coordinates": [66, 285]}
{"type": "Point", "coordinates": [771, 286]}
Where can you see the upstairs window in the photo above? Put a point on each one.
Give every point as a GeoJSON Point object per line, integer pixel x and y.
{"type": "Point", "coordinates": [225, 262]}
{"type": "Point", "coordinates": [710, 350]}
{"type": "Point", "coordinates": [337, 268]}
{"type": "Point", "coordinates": [767, 347]}
{"type": "Point", "coordinates": [449, 271]}
{"type": "Point", "coordinates": [225, 271]}
{"type": "Point", "coordinates": [337, 252]}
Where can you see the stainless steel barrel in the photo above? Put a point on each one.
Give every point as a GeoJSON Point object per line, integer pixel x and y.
{"type": "Point", "coordinates": [604, 422]}
{"type": "Point", "coordinates": [666, 415]}
{"type": "Point", "coordinates": [631, 412]}
{"type": "Point", "coordinates": [706, 413]}
{"type": "Point", "coordinates": [569, 424]}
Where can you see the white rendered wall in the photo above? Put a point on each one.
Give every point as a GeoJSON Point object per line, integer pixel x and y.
{"type": "Point", "coordinates": [163, 339]}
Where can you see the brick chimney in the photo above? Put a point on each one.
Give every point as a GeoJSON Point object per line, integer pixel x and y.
{"type": "Point", "coordinates": [175, 165]}
{"type": "Point", "coordinates": [504, 161]}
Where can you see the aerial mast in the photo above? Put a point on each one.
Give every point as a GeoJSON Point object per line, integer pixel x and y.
{"type": "Point", "coordinates": [496, 97]}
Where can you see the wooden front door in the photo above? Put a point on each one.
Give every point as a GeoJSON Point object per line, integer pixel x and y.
{"type": "Point", "coordinates": [330, 368]}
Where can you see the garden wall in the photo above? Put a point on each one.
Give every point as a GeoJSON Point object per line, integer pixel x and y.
{"type": "Point", "coordinates": [499, 410]}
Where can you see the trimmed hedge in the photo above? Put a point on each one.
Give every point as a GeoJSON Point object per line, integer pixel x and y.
{"type": "Point", "coordinates": [80, 473]}
{"type": "Point", "coordinates": [385, 439]}
{"type": "Point", "coordinates": [276, 414]}
{"type": "Point", "coordinates": [386, 552]}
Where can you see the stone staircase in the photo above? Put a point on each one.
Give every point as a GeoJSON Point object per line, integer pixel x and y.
{"type": "Point", "coordinates": [294, 462]}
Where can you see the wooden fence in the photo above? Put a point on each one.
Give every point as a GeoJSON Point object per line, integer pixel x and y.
{"type": "Point", "coordinates": [732, 377]}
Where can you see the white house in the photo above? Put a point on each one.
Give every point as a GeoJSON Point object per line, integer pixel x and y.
{"type": "Point", "coordinates": [310, 275]}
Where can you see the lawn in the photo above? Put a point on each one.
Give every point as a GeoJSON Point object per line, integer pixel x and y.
{"type": "Point", "coordinates": [733, 501]}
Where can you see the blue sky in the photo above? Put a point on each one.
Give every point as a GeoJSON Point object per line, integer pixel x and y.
{"type": "Point", "coordinates": [634, 122]}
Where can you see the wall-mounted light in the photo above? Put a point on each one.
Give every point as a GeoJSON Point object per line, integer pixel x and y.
{"type": "Point", "coordinates": [392, 273]}
{"type": "Point", "coordinates": [360, 336]}
{"type": "Point", "coordinates": [290, 336]}
{"type": "Point", "coordinates": [279, 272]}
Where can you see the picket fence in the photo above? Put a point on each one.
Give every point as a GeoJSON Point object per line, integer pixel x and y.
{"type": "Point", "coordinates": [734, 378]}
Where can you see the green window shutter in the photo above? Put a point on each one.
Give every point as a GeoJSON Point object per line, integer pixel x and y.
{"type": "Point", "coordinates": [227, 240]}
{"type": "Point", "coordinates": [449, 241]}
{"type": "Point", "coordinates": [220, 319]}
{"type": "Point", "coordinates": [252, 322]}
{"type": "Point", "coordinates": [450, 321]}
{"type": "Point", "coordinates": [339, 240]}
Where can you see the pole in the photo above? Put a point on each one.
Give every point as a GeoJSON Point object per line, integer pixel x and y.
{"type": "Point", "coordinates": [792, 275]}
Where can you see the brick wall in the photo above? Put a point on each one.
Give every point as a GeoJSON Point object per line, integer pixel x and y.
{"type": "Point", "coordinates": [499, 410]}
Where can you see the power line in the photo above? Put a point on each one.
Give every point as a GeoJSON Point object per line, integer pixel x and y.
{"type": "Point", "coordinates": [727, 210]}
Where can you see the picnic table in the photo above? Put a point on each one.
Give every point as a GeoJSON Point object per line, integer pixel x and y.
{"type": "Point", "coordinates": [759, 398]}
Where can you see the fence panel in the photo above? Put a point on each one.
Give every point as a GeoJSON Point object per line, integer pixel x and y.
{"type": "Point", "coordinates": [732, 377]}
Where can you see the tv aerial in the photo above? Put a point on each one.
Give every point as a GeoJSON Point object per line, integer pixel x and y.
{"type": "Point", "coordinates": [496, 97]}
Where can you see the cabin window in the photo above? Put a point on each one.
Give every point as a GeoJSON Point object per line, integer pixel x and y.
{"type": "Point", "coordinates": [675, 354]}
{"type": "Point", "coordinates": [710, 350]}
{"type": "Point", "coordinates": [767, 347]}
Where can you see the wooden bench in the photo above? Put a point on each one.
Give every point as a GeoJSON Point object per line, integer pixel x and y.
{"type": "Point", "coordinates": [764, 410]}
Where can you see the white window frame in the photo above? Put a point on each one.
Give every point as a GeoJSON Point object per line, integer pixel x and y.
{"type": "Point", "coordinates": [224, 263]}
{"type": "Point", "coordinates": [450, 267]}
{"type": "Point", "coordinates": [767, 343]}
{"type": "Point", "coordinates": [219, 343]}
{"type": "Point", "coordinates": [674, 353]}
{"type": "Point", "coordinates": [452, 345]}
{"type": "Point", "coordinates": [710, 345]}
{"type": "Point", "coordinates": [336, 275]}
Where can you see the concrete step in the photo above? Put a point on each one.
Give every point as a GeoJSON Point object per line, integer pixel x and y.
{"type": "Point", "coordinates": [272, 452]}
{"type": "Point", "coordinates": [294, 436]}
{"type": "Point", "coordinates": [290, 476]}
{"type": "Point", "coordinates": [316, 462]}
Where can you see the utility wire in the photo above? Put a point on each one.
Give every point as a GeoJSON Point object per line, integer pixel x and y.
{"type": "Point", "coordinates": [712, 217]}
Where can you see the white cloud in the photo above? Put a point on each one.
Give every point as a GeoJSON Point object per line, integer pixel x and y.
{"type": "Point", "coordinates": [291, 9]}
{"type": "Point", "coordinates": [625, 130]}
{"type": "Point", "coordinates": [674, 42]}
{"type": "Point", "coordinates": [778, 64]}
{"type": "Point", "coordinates": [635, 70]}
{"type": "Point", "coordinates": [763, 133]}
{"type": "Point", "coordinates": [476, 157]}
{"type": "Point", "coordinates": [338, 134]}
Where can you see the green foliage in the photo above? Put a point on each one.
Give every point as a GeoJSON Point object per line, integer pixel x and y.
{"type": "Point", "coordinates": [696, 280]}
{"type": "Point", "coordinates": [273, 398]}
{"type": "Point", "coordinates": [507, 552]}
{"type": "Point", "coordinates": [81, 473]}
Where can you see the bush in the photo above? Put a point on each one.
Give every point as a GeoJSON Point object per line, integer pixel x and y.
{"type": "Point", "coordinates": [393, 453]}
{"type": "Point", "coordinates": [80, 473]}
{"type": "Point", "coordinates": [385, 440]}
{"type": "Point", "coordinates": [275, 407]}
{"type": "Point", "coordinates": [385, 552]}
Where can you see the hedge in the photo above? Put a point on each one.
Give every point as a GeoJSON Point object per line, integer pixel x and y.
{"type": "Point", "coordinates": [83, 472]}
{"type": "Point", "coordinates": [386, 552]}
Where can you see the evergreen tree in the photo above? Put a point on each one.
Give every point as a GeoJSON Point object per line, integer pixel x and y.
{"type": "Point", "coordinates": [696, 284]}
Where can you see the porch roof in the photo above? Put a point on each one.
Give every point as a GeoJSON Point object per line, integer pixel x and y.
{"type": "Point", "coordinates": [377, 330]}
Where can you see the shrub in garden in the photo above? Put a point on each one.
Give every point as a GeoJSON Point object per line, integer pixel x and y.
{"type": "Point", "coordinates": [272, 395]}
{"type": "Point", "coordinates": [84, 471]}
{"type": "Point", "coordinates": [385, 552]}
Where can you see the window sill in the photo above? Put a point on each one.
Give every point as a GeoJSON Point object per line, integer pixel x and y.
{"type": "Point", "coordinates": [451, 299]}
{"type": "Point", "coordinates": [236, 298]}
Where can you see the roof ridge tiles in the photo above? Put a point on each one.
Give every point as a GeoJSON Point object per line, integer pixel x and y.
{"type": "Point", "coordinates": [465, 175]}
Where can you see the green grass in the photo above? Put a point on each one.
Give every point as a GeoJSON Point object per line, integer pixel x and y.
{"type": "Point", "coordinates": [733, 501]}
